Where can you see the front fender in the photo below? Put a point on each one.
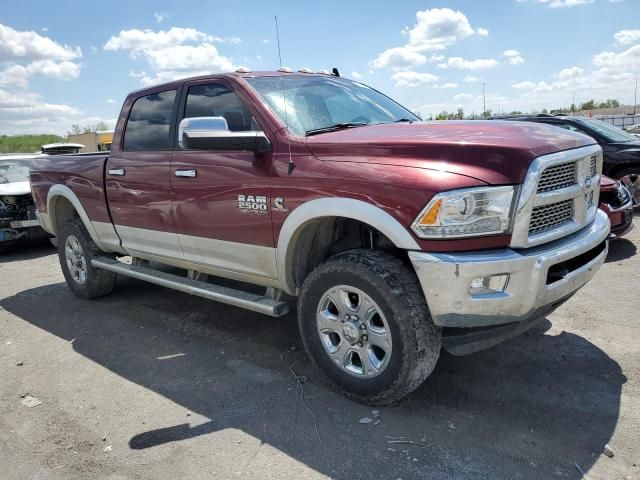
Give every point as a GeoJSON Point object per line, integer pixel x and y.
{"type": "Point", "coordinates": [334, 207]}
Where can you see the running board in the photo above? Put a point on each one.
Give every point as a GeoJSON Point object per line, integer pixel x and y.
{"type": "Point", "coordinates": [230, 296]}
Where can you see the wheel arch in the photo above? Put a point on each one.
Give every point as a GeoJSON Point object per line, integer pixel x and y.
{"type": "Point", "coordinates": [309, 222]}
{"type": "Point", "coordinates": [63, 205]}
{"type": "Point", "coordinates": [621, 166]}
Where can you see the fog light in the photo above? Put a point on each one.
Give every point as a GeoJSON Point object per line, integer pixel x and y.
{"type": "Point", "coordinates": [489, 284]}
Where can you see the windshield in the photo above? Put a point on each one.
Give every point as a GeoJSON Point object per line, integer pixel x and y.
{"type": "Point", "coordinates": [314, 103]}
{"type": "Point", "coordinates": [611, 133]}
{"type": "Point", "coordinates": [14, 170]}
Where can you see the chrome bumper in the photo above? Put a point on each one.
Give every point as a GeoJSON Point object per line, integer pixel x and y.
{"type": "Point", "coordinates": [446, 278]}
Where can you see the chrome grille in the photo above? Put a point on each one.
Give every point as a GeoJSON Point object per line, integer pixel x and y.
{"type": "Point", "coordinates": [547, 217]}
{"type": "Point", "coordinates": [559, 196]}
{"type": "Point", "coordinates": [557, 177]}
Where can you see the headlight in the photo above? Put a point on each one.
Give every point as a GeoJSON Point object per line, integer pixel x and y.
{"type": "Point", "coordinates": [468, 212]}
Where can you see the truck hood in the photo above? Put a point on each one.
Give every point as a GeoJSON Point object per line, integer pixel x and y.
{"type": "Point", "coordinates": [495, 152]}
{"type": "Point", "coordinates": [15, 188]}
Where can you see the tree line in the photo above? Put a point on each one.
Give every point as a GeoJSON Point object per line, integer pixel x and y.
{"type": "Point", "coordinates": [588, 105]}
{"type": "Point", "coordinates": [26, 143]}
{"type": "Point", "coordinates": [90, 128]}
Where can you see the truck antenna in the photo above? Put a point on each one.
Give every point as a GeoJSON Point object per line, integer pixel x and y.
{"type": "Point", "coordinates": [284, 99]}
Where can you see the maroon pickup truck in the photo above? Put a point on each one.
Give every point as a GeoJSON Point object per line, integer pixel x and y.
{"type": "Point", "coordinates": [398, 237]}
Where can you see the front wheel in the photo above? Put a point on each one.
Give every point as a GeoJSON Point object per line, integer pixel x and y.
{"type": "Point", "coordinates": [75, 251]}
{"type": "Point", "coordinates": [365, 324]}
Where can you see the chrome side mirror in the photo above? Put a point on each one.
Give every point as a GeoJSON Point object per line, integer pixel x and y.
{"type": "Point", "coordinates": [212, 133]}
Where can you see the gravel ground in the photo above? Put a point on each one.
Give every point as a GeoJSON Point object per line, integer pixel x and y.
{"type": "Point", "coordinates": [154, 384]}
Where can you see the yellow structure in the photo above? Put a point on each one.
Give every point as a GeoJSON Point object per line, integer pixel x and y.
{"type": "Point", "coordinates": [94, 141]}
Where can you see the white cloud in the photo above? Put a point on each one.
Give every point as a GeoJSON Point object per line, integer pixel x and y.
{"type": "Point", "coordinates": [464, 64]}
{"type": "Point", "coordinates": [567, 73]}
{"type": "Point", "coordinates": [137, 73]}
{"type": "Point", "coordinates": [526, 85]}
{"type": "Point", "coordinates": [174, 53]}
{"type": "Point", "coordinates": [513, 57]}
{"type": "Point", "coordinates": [447, 85]}
{"type": "Point", "coordinates": [463, 96]}
{"type": "Point", "coordinates": [471, 79]}
{"type": "Point", "coordinates": [356, 75]}
{"type": "Point", "coordinates": [160, 16]}
{"type": "Point", "coordinates": [439, 27]}
{"type": "Point", "coordinates": [435, 29]}
{"type": "Point", "coordinates": [483, 32]}
{"type": "Point", "coordinates": [628, 60]}
{"type": "Point", "coordinates": [436, 57]}
{"type": "Point", "coordinates": [29, 46]}
{"type": "Point", "coordinates": [565, 3]}
{"type": "Point", "coordinates": [24, 54]}
{"type": "Point", "coordinates": [110, 100]}
{"type": "Point", "coordinates": [398, 57]}
{"type": "Point", "coordinates": [627, 37]}
{"type": "Point", "coordinates": [412, 79]}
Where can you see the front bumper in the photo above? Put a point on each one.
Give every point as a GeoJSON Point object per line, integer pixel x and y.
{"type": "Point", "coordinates": [531, 290]}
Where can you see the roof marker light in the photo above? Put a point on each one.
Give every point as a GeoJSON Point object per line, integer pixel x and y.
{"type": "Point", "coordinates": [243, 70]}
{"type": "Point", "coordinates": [305, 70]}
{"type": "Point", "coordinates": [285, 70]}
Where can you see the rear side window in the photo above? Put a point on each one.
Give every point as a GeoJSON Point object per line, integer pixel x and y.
{"type": "Point", "coordinates": [149, 122]}
{"type": "Point", "coordinates": [215, 100]}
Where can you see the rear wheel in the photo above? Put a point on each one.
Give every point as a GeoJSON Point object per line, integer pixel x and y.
{"type": "Point", "coordinates": [75, 251]}
{"type": "Point", "coordinates": [365, 324]}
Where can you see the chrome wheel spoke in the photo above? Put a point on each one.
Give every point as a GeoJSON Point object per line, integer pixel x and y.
{"type": "Point", "coordinates": [327, 321]}
{"type": "Point", "coordinates": [354, 332]}
{"type": "Point", "coordinates": [76, 262]}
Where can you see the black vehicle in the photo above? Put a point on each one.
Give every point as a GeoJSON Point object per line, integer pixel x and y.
{"type": "Point", "coordinates": [621, 149]}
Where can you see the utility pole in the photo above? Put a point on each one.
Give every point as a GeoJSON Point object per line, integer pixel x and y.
{"type": "Point", "coordinates": [484, 102]}
{"type": "Point", "coordinates": [573, 103]}
{"type": "Point", "coordinates": [635, 97]}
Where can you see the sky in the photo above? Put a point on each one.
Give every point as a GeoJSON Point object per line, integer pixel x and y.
{"type": "Point", "coordinates": [73, 62]}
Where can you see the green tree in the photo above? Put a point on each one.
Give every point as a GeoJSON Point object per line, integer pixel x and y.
{"type": "Point", "coordinates": [590, 105]}
{"type": "Point", "coordinates": [75, 129]}
{"type": "Point", "coordinates": [26, 143]}
{"type": "Point", "coordinates": [460, 113]}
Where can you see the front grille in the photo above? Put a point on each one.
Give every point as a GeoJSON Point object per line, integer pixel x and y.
{"type": "Point", "coordinates": [557, 177]}
{"type": "Point", "coordinates": [547, 217]}
{"type": "Point", "coordinates": [593, 166]}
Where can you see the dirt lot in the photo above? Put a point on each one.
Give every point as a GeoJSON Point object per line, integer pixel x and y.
{"type": "Point", "coordinates": [154, 384]}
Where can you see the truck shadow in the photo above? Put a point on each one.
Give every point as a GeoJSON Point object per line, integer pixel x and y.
{"type": "Point", "coordinates": [534, 405]}
{"type": "Point", "coordinates": [620, 249]}
{"type": "Point", "coordinates": [27, 250]}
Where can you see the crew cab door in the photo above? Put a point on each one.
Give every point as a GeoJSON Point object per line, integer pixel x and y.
{"type": "Point", "coordinates": [221, 198]}
{"type": "Point", "coordinates": [138, 178]}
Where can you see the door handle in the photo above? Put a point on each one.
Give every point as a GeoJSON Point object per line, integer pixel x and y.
{"type": "Point", "coordinates": [186, 173]}
{"type": "Point", "coordinates": [116, 171]}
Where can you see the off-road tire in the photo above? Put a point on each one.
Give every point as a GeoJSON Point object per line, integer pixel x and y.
{"type": "Point", "coordinates": [395, 288]}
{"type": "Point", "coordinates": [98, 282]}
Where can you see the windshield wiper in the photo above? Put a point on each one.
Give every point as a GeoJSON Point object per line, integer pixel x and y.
{"type": "Point", "coordinates": [335, 127]}
{"type": "Point", "coordinates": [403, 120]}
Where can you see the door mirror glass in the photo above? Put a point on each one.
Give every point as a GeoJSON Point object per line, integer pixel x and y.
{"type": "Point", "coordinates": [212, 133]}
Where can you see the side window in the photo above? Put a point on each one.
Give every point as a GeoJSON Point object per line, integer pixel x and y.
{"type": "Point", "coordinates": [570, 127]}
{"type": "Point", "coordinates": [149, 122]}
{"type": "Point", "coordinates": [215, 100]}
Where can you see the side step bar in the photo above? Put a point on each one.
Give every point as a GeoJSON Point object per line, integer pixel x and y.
{"type": "Point", "coordinates": [230, 296]}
